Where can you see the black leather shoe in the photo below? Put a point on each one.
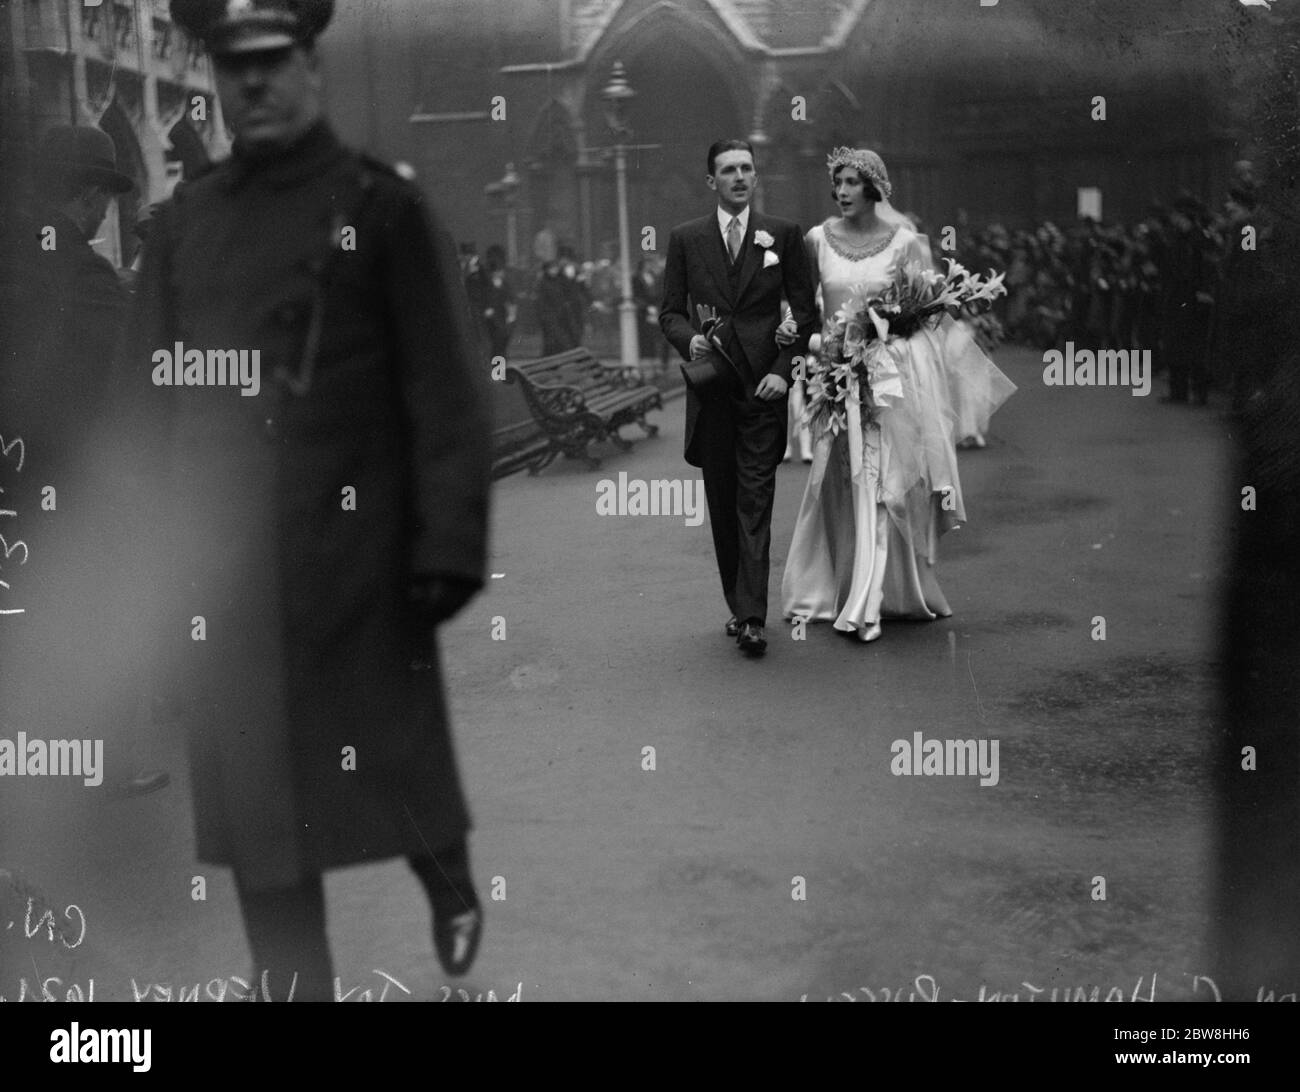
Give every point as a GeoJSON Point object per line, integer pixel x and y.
{"type": "Point", "coordinates": [751, 639]}
{"type": "Point", "coordinates": [456, 933]}
{"type": "Point", "coordinates": [733, 627]}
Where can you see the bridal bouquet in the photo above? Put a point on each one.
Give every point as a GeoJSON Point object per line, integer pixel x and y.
{"type": "Point", "coordinates": [865, 336]}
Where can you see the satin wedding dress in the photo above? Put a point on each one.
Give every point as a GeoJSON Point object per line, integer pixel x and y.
{"type": "Point", "coordinates": [882, 491]}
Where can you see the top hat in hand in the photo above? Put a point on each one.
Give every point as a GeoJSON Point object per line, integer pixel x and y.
{"type": "Point", "coordinates": [716, 372]}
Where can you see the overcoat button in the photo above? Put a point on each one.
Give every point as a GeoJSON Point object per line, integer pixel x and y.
{"type": "Point", "coordinates": [271, 428]}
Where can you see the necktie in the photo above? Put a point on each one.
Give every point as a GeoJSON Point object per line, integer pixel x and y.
{"type": "Point", "coordinates": [733, 237]}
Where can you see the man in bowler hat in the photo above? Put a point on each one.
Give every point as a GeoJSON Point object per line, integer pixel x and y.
{"type": "Point", "coordinates": [329, 517]}
{"type": "Point", "coordinates": [74, 305]}
{"type": "Point", "coordinates": [65, 308]}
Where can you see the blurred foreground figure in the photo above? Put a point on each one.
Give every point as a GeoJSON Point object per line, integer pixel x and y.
{"type": "Point", "coordinates": [1257, 928]}
{"type": "Point", "coordinates": [67, 311]}
{"type": "Point", "coordinates": [73, 306]}
{"type": "Point", "coordinates": [302, 389]}
{"type": "Point", "coordinates": [1256, 935]}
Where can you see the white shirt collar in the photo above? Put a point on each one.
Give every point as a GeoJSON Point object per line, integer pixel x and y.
{"type": "Point", "coordinates": [724, 221]}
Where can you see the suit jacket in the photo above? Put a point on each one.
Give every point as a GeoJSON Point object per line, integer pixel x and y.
{"type": "Point", "coordinates": [697, 273]}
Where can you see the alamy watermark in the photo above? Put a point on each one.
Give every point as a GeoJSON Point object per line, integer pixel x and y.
{"type": "Point", "coordinates": [945, 758]}
{"type": "Point", "coordinates": [182, 367]}
{"type": "Point", "coordinates": [25, 757]}
{"type": "Point", "coordinates": [116, 1046]}
{"type": "Point", "coordinates": [1104, 368]}
{"type": "Point", "coordinates": [658, 497]}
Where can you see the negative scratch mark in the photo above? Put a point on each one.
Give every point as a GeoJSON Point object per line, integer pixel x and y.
{"type": "Point", "coordinates": [978, 704]}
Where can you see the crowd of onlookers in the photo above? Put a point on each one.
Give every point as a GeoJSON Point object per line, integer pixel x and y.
{"type": "Point", "coordinates": [565, 302]}
{"type": "Point", "coordinates": [1179, 282]}
{"type": "Point", "coordinates": [1183, 282]}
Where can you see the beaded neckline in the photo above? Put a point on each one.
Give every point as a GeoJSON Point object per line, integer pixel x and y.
{"type": "Point", "coordinates": [853, 253]}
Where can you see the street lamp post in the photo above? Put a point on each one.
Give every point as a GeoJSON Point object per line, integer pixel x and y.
{"type": "Point", "coordinates": [617, 93]}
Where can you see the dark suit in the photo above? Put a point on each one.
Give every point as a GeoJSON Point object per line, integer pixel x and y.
{"type": "Point", "coordinates": [736, 438]}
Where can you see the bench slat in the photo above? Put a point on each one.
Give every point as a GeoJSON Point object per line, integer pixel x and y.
{"type": "Point", "coordinates": [577, 398]}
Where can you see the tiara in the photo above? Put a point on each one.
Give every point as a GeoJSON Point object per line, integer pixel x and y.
{"type": "Point", "coordinates": [865, 162]}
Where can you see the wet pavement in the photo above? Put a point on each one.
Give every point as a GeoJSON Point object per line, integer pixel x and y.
{"type": "Point", "coordinates": [772, 778]}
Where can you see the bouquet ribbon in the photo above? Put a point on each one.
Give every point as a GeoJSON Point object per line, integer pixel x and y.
{"type": "Point", "coordinates": [884, 374]}
{"type": "Point", "coordinates": [885, 381]}
{"type": "Point", "coordinates": [853, 436]}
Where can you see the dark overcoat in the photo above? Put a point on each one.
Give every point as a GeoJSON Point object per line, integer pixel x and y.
{"type": "Point", "coordinates": [296, 519]}
{"type": "Point", "coordinates": [62, 310]}
{"type": "Point", "coordinates": [65, 311]}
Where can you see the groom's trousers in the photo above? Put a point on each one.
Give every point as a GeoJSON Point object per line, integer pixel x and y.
{"type": "Point", "coordinates": [744, 440]}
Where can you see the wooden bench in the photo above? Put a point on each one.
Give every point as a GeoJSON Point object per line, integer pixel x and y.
{"type": "Point", "coordinates": [577, 400]}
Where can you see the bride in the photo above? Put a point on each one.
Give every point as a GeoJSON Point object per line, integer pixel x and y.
{"type": "Point", "coordinates": [882, 490]}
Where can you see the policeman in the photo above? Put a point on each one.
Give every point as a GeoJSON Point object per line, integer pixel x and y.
{"type": "Point", "coordinates": [326, 511]}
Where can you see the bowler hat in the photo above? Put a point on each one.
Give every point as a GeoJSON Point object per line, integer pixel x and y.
{"type": "Point", "coordinates": [248, 26]}
{"type": "Point", "coordinates": [82, 153]}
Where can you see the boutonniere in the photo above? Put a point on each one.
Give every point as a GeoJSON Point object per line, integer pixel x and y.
{"type": "Point", "coordinates": [770, 257]}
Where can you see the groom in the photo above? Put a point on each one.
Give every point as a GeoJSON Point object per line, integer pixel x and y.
{"type": "Point", "coordinates": [739, 264]}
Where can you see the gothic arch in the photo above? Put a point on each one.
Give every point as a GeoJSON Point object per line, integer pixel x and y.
{"type": "Point", "coordinates": [549, 166]}
{"type": "Point", "coordinates": [668, 26]}
{"type": "Point", "coordinates": [551, 136]}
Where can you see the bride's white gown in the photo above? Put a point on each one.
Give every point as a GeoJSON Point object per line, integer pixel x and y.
{"type": "Point", "coordinates": [880, 494]}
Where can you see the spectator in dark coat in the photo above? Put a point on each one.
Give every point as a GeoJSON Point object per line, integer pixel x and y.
{"type": "Point", "coordinates": [1188, 279]}
{"type": "Point", "coordinates": [646, 294]}
{"type": "Point", "coordinates": [68, 306]}
{"type": "Point", "coordinates": [498, 302]}
{"type": "Point", "coordinates": [576, 297]}
{"type": "Point", "coordinates": [559, 332]}
{"type": "Point", "coordinates": [73, 304]}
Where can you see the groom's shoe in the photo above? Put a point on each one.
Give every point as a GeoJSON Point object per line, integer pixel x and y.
{"type": "Point", "coordinates": [457, 930]}
{"type": "Point", "coordinates": [751, 639]}
{"type": "Point", "coordinates": [733, 627]}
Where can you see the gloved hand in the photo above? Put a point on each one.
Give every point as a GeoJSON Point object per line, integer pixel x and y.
{"type": "Point", "coordinates": [436, 597]}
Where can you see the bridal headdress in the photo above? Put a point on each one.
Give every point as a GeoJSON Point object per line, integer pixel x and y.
{"type": "Point", "coordinates": [865, 162]}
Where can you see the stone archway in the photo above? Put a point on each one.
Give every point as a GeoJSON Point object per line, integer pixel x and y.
{"type": "Point", "coordinates": [550, 168]}
{"type": "Point", "coordinates": [685, 100]}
